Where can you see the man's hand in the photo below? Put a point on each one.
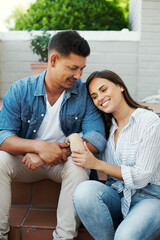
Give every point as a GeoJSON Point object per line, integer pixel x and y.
{"type": "Point", "coordinates": [32, 161]}
{"type": "Point", "coordinates": [52, 153]}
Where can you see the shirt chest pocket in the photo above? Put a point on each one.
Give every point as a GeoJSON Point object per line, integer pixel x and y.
{"type": "Point", "coordinates": [130, 152]}
{"type": "Point", "coordinates": [28, 120]}
{"type": "Point", "coordinates": [74, 121]}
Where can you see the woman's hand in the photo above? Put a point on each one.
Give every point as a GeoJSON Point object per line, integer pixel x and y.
{"type": "Point", "coordinates": [84, 158]}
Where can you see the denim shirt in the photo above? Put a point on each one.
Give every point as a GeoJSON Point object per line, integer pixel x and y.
{"type": "Point", "coordinates": [24, 108]}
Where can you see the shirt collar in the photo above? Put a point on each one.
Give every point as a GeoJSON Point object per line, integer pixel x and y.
{"type": "Point", "coordinates": [135, 114]}
{"type": "Point", "coordinates": [40, 89]}
{"type": "Point", "coordinates": [74, 88]}
{"type": "Point", "coordinates": [132, 118]}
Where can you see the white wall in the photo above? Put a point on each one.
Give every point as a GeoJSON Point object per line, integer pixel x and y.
{"type": "Point", "coordinates": [116, 51]}
{"type": "Point", "coordinates": [135, 14]}
{"type": "Point", "coordinates": [0, 64]}
{"type": "Point", "coordinates": [149, 49]}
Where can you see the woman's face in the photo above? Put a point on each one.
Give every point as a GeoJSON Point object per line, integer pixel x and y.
{"type": "Point", "coordinates": [106, 95]}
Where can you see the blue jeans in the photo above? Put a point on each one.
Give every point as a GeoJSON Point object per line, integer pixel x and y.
{"type": "Point", "coordinates": [99, 208]}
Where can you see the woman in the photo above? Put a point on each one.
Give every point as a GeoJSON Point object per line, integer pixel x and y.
{"type": "Point", "coordinates": [130, 200]}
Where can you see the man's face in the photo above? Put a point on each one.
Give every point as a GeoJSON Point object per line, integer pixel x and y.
{"type": "Point", "coordinates": [68, 69]}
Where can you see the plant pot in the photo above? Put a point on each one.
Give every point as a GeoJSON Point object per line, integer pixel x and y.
{"type": "Point", "coordinates": [38, 67]}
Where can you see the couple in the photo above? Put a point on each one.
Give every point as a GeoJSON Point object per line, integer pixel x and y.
{"type": "Point", "coordinates": [41, 114]}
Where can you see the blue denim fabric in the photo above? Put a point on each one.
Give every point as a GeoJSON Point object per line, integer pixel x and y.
{"type": "Point", "coordinates": [24, 108]}
{"type": "Point", "coordinates": [99, 208]}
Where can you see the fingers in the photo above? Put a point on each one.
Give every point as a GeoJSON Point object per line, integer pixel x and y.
{"type": "Point", "coordinates": [55, 162]}
{"type": "Point", "coordinates": [32, 161]}
{"type": "Point", "coordinates": [86, 147]}
{"type": "Point", "coordinates": [76, 155]}
{"type": "Point", "coordinates": [24, 159]}
{"type": "Point", "coordinates": [64, 156]}
{"type": "Point", "coordinates": [63, 145]}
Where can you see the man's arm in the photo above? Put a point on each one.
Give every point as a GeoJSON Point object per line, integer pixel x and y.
{"type": "Point", "coordinates": [93, 128]}
{"type": "Point", "coordinates": [49, 152]}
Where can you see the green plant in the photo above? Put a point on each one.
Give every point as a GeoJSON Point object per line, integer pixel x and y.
{"type": "Point", "coordinates": [77, 15]}
{"type": "Point", "coordinates": [39, 45]}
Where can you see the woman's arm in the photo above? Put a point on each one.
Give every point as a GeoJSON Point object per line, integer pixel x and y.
{"type": "Point", "coordinates": [76, 143]}
{"type": "Point", "coordinates": [86, 159]}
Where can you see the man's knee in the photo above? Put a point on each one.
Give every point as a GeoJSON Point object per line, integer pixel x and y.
{"type": "Point", "coordinates": [4, 159]}
{"type": "Point", "coordinates": [7, 163]}
{"type": "Point", "coordinates": [77, 174]}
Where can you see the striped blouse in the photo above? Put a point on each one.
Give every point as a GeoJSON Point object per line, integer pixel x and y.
{"type": "Point", "coordinates": [137, 152]}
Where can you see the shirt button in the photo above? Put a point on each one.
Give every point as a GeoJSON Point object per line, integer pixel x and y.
{"type": "Point", "coordinates": [76, 118]}
{"type": "Point", "coordinates": [34, 131]}
{"type": "Point", "coordinates": [42, 115]}
{"type": "Point", "coordinates": [29, 121]}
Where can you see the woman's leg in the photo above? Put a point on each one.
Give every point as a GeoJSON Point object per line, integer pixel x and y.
{"type": "Point", "coordinates": [98, 206]}
{"type": "Point", "coordinates": [142, 222]}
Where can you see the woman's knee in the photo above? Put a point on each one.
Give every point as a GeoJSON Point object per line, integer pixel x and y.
{"type": "Point", "coordinates": [126, 233]}
{"type": "Point", "coordinates": [86, 193]}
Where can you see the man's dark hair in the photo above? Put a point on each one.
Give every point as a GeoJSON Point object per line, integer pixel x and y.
{"type": "Point", "coordinates": [66, 42]}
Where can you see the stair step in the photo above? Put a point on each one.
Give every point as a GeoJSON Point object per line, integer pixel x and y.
{"type": "Point", "coordinates": [31, 223]}
{"type": "Point", "coordinates": [33, 211]}
{"type": "Point", "coordinates": [36, 224]}
{"type": "Point", "coordinates": [43, 194]}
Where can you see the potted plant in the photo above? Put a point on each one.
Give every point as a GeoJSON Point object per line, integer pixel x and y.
{"type": "Point", "coordinates": [39, 46]}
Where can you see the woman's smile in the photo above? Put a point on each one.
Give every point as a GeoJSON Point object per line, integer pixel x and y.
{"type": "Point", "coordinates": [105, 103]}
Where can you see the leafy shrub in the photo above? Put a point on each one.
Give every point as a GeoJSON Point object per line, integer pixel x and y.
{"type": "Point", "coordinates": [72, 14]}
{"type": "Point", "coordinates": [39, 45]}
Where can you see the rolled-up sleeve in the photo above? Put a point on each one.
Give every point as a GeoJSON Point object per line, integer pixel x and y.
{"type": "Point", "coordinates": [96, 139]}
{"type": "Point", "coordinates": [147, 161]}
{"type": "Point", "coordinates": [4, 134]}
{"type": "Point", "coordinates": [9, 116]}
{"type": "Point", "coordinates": [93, 126]}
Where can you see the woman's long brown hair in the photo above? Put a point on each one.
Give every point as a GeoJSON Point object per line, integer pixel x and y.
{"type": "Point", "coordinates": [114, 78]}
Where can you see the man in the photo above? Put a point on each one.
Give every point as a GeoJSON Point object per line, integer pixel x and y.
{"type": "Point", "coordinates": [38, 113]}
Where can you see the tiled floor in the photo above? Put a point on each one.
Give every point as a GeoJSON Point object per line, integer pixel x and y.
{"type": "Point", "coordinates": [36, 224]}
{"type": "Point", "coordinates": [49, 195]}
{"type": "Point", "coordinates": [33, 213]}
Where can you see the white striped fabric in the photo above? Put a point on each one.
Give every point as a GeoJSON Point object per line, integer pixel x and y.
{"type": "Point", "coordinates": [137, 152]}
